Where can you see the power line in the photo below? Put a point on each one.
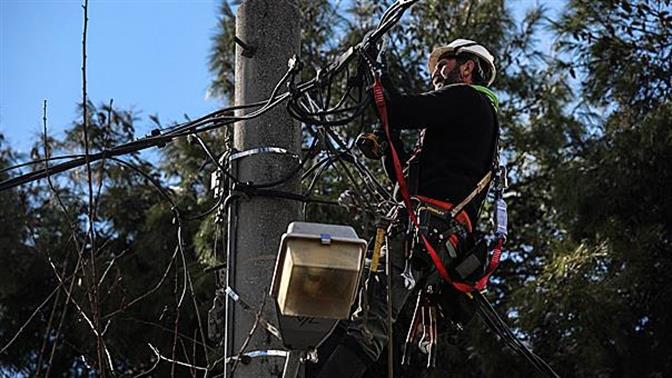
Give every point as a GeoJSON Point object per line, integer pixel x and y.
{"type": "Point", "coordinates": [217, 119]}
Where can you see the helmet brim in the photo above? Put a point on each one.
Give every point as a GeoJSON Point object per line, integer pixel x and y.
{"type": "Point", "coordinates": [437, 52]}
{"type": "Point", "coordinates": [435, 55]}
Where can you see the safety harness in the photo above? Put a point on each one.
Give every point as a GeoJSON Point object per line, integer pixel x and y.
{"type": "Point", "coordinates": [464, 287]}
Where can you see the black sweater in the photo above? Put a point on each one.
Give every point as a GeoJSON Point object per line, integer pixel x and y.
{"type": "Point", "coordinates": [460, 129]}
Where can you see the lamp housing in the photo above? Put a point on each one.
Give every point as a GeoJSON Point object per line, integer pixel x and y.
{"type": "Point", "coordinates": [317, 270]}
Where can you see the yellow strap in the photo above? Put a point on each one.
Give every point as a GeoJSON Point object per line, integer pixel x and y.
{"type": "Point", "coordinates": [479, 187]}
{"type": "Point", "coordinates": [377, 246]}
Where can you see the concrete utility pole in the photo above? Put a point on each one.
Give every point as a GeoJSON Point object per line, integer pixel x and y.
{"type": "Point", "coordinates": [270, 34]}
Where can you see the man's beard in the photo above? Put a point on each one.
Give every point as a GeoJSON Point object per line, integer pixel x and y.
{"type": "Point", "coordinates": [451, 77]}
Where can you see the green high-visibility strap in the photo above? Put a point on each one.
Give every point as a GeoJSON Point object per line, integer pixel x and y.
{"type": "Point", "coordinates": [490, 94]}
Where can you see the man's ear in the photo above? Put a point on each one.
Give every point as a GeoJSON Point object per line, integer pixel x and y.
{"type": "Point", "coordinates": [467, 69]}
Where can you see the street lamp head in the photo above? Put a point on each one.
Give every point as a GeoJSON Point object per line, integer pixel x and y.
{"type": "Point", "coordinates": [318, 270]}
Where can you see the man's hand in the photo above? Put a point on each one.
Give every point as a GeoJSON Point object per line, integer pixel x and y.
{"type": "Point", "coordinates": [371, 145]}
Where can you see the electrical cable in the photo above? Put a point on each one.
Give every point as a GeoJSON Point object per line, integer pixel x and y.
{"type": "Point", "coordinates": [214, 114]}
{"type": "Point", "coordinates": [123, 149]}
{"type": "Point", "coordinates": [163, 191]}
{"type": "Point", "coordinates": [313, 168]}
{"type": "Point", "coordinates": [315, 118]}
{"type": "Point", "coordinates": [390, 17]}
{"type": "Point", "coordinates": [528, 353]}
{"type": "Point", "coordinates": [38, 161]}
{"type": "Point", "coordinates": [143, 143]}
{"type": "Point", "coordinates": [339, 155]}
{"type": "Point", "coordinates": [149, 178]}
{"type": "Point", "coordinates": [209, 211]}
{"type": "Point", "coordinates": [219, 119]}
{"type": "Point", "coordinates": [351, 159]}
{"type": "Point", "coordinates": [215, 119]}
{"type": "Point", "coordinates": [251, 191]}
{"type": "Point", "coordinates": [212, 158]}
{"type": "Point", "coordinates": [323, 167]}
{"type": "Point", "coordinates": [497, 324]}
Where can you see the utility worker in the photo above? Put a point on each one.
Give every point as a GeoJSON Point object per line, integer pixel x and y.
{"type": "Point", "coordinates": [455, 150]}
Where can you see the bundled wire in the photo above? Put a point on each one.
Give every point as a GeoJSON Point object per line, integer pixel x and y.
{"type": "Point", "coordinates": [301, 106]}
{"type": "Point", "coordinates": [499, 327]}
{"type": "Point", "coordinates": [211, 121]}
{"type": "Point", "coordinates": [223, 117]}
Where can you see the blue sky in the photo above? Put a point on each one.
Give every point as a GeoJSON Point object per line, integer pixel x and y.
{"type": "Point", "coordinates": [150, 55]}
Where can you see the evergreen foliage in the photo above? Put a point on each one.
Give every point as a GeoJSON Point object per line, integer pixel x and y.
{"type": "Point", "coordinates": [587, 141]}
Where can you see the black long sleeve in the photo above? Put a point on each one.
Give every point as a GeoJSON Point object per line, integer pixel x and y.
{"type": "Point", "coordinates": [459, 140]}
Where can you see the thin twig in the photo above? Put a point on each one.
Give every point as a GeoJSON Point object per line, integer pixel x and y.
{"type": "Point", "coordinates": [91, 209]}
{"type": "Point", "coordinates": [257, 320]}
{"type": "Point", "coordinates": [53, 309]}
{"type": "Point", "coordinates": [47, 333]}
{"type": "Point", "coordinates": [186, 356]}
{"type": "Point", "coordinates": [60, 285]}
{"type": "Point", "coordinates": [148, 293]}
{"type": "Point", "coordinates": [63, 315]}
{"type": "Point", "coordinates": [114, 258]}
{"type": "Point", "coordinates": [62, 281]}
{"type": "Point", "coordinates": [180, 244]}
{"type": "Point", "coordinates": [164, 328]}
{"type": "Point", "coordinates": [101, 169]}
{"type": "Point", "coordinates": [25, 324]}
{"type": "Point", "coordinates": [52, 187]}
{"type": "Point", "coordinates": [151, 369]}
{"type": "Point", "coordinates": [176, 323]}
{"type": "Point", "coordinates": [173, 361]}
{"type": "Point", "coordinates": [198, 318]}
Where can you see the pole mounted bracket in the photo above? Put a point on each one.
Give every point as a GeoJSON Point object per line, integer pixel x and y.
{"type": "Point", "coordinates": [264, 150]}
{"type": "Point", "coordinates": [248, 50]}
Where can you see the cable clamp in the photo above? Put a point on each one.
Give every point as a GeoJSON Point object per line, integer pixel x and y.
{"type": "Point", "coordinates": [248, 50]}
{"type": "Point", "coordinates": [156, 133]}
{"type": "Point", "coordinates": [264, 150]}
{"type": "Point", "coordinates": [247, 357]}
{"type": "Point", "coordinates": [232, 294]}
{"type": "Point", "coordinates": [295, 64]}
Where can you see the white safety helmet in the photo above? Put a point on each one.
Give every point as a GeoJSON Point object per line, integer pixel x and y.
{"type": "Point", "coordinates": [459, 46]}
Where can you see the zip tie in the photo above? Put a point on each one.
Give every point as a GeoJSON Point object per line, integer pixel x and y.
{"type": "Point", "coordinates": [270, 328]}
{"type": "Point", "coordinates": [273, 330]}
{"type": "Point", "coordinates": [264, 150]}
{"type": "Point", "coordinates": [267, 353]}
{"type": "Point", "coordinates": [247, 356]}
{"type": "Point", "coordinates": [232, 294]}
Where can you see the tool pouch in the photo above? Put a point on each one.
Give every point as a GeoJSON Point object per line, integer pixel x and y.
{"type": "Point", "coordinates": [464, 259]}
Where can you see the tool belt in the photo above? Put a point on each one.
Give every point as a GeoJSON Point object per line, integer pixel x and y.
{"type": "Point", "coordinates": [453, 239]}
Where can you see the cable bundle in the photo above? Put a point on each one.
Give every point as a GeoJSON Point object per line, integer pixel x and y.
{"type": "Point", "coordinates": [498, 326]}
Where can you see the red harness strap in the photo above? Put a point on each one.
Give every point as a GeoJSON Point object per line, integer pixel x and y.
{"type": "Point", "coordinates": [461, 217]}
{"type": "Point", "coordinates": [379, 98]}
{"type": "Point", "coordinates": [494, 261]}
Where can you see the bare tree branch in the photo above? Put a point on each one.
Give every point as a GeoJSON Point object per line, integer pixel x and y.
{"type": "Point", "coordinates": [173, 361]}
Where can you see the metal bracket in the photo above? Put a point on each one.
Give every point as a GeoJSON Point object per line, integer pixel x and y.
{"type": "Point", "coordinates": [216, 318]}
{"type": "Point", "coordinates": [263, 150]}
{"type": "Point", "coordinates": [248, 50]}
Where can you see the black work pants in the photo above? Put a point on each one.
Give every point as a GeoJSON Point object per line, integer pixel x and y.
{"type": "Point", "coordinates": [366, 332]}
{"type": "Point", "coordinates": [365, 335]}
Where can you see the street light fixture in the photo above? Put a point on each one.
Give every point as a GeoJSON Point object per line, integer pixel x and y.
{"type": "Point", "coordinates": [317, 270]}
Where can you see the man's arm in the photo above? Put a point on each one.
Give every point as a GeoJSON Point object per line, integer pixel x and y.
{"type": "Point", "coordinates": [426, 110]}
